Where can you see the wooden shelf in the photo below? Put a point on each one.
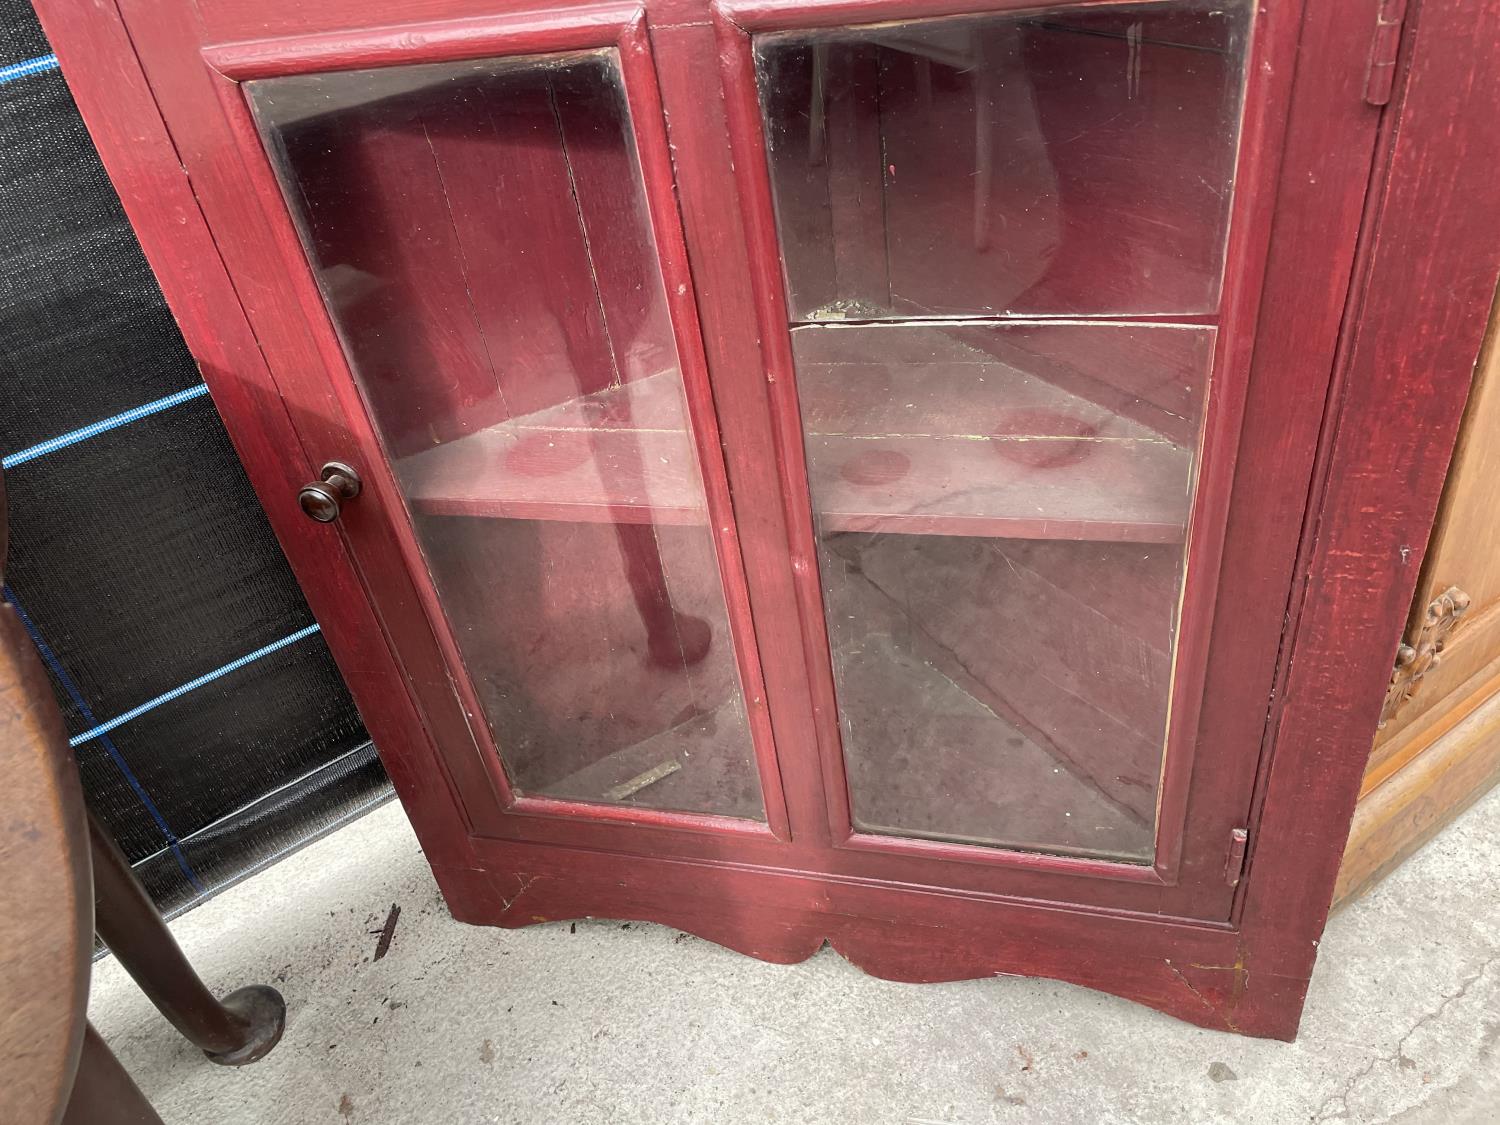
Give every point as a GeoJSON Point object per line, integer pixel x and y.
{"type": "Point", "coordinates": [975, 447]}
{"type": "Point", "coordinates": [621, 455]}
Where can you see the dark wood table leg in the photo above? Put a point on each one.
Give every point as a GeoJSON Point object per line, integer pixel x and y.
{"type": "Point", "coordinates": [103, 1092]}
{"type": "Point", "coordinates": [240, 1029]}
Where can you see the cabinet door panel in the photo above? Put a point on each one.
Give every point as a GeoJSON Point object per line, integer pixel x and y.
{"type": "Point", "coordinates": [1003, 240]}
{"type": "Point", "coordinates": [481, 238]}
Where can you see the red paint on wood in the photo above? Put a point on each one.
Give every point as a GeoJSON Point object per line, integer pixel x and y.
{"type": "Point", "coordinates": [1431, 254]}
{"type": "Point", "coordinates": [179, 143]}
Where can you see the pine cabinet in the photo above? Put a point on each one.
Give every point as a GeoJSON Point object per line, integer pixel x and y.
{"type": "Point", "coordinates": [847, 471]}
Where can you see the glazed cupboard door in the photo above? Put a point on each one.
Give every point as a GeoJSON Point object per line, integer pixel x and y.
{"type": "Point", "coordinates": [458, 247]}
{"type": "Point", "coordinates": [1016, 260]}
{"type": "Point", "coordinates": [1030, 339]}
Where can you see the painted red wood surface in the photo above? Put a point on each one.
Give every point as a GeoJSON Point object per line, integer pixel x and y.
{"type": "Point", "coordinates": [1427, 278]}
{"type": "Point", "coordinates": [178, 141]}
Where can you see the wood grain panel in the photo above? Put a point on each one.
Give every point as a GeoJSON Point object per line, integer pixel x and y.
{"type": "Point", "coordinates": [1441, 751]}
{"type": "Point", "coordinates": [1415, 802]}
{"type": "Point", "coordinates": [1464, 551]}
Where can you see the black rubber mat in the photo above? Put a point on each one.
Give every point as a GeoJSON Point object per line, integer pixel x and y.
{"type": "Point", "coordinates": [211, 726]}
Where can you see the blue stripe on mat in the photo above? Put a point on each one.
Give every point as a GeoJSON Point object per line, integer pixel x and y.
{"type": "Point", "coordinates": [39, 65]}
{"type": "Point", "coordinates": [179, 692]}
{"type": "Point", "coordinates": [66, 681]}
{"type": "Point", "coordinates": [94, 429]}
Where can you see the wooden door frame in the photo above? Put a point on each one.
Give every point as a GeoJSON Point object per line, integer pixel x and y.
{"type": "Point", "coordinates": [281, 298]}
{"type": "Point", "coordinates": [1426, 277]}
{"type": "Point", "coordinates": [1329, 132]}
{"type": "Point", "coordinates": [1259, 146]}
{"type": "Point", "coordinates": [1378, 488]}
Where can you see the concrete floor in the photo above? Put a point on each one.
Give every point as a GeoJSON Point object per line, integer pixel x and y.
{"type": "Point", "coordinates": [639, 1023]}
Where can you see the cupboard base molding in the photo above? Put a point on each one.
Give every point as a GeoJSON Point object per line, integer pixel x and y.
{"type": "Point", "coordinates": [1198, 973]}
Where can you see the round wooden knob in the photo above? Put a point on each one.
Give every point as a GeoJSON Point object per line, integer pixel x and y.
{"type": "Point", "coordinates": [323, 499]}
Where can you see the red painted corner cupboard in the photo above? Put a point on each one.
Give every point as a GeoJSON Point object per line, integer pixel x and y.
{"type": "Point", "coordinates": [936, 477]}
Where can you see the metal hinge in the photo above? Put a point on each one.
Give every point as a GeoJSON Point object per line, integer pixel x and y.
{"type": "Point", "coordinates": [1234, 866]}
{"type": "Point", "coordinates": [1381, 78]}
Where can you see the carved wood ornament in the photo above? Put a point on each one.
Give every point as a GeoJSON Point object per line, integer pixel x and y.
{"type": "Point", "coordinates": [1413, 661]}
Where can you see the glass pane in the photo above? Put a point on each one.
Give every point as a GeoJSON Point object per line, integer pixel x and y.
{"type": "Point", "coordinates": [481, 236]}
{"type": "Point", "coordinates": [972, 211]}
{"type": "Point", "coordinates": [1057, 163]}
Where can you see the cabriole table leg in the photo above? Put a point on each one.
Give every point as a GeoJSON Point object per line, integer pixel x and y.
{"type": "Point", "coordinates": [240, 1029]}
